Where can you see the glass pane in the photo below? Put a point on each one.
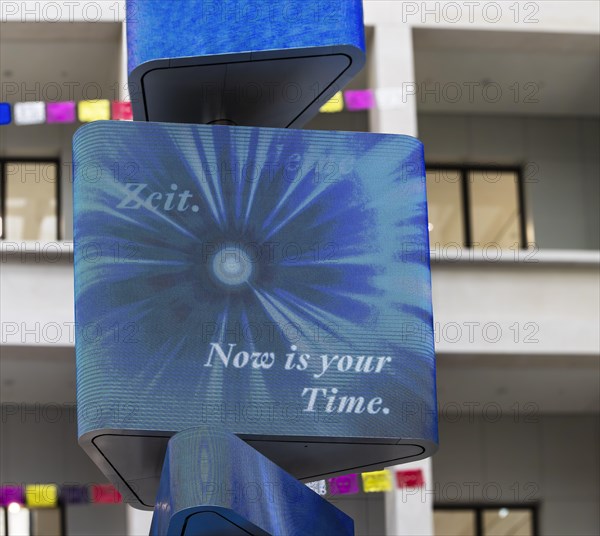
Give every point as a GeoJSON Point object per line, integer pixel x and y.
{"type": "Point", "coordinates": [454, 522]}
{"type": "Point", "coordinates": [30, 204]}
{"type": "Point", "coordinates": [45, 522]}
{"type": "Point", "coordinates": [18, 520]}
{"type": "Point", "coordinates": [445, 206]}
{"type": "Point", "coordinates": [507, 522]}
{"type": "Point", "coordinates": [495, 216]}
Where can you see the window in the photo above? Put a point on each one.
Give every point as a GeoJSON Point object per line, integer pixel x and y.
{"type": "Point", "coordinates": [485, 520]}
{"type": "Point", "coordinates": [476, 207]}
{"type": "Point", "coordinates": [29, 193]}
{"type": "Point", "coordinates": [445, 205]}
{"type": "Point", "coordinates": [494, 208]}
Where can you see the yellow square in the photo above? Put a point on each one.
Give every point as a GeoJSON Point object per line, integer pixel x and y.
{"type": "Point", "coordinates": [41, 495]}
{"type": "Point", "coordinates": [333, 105]}
{"type": "Point", "coordinates": [96, 110]}
{"type": "Point", "coordinates": [377, 481]}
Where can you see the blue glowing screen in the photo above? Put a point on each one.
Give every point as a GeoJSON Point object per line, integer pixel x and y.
{"type": "Point", "coordinates": [186, 28]}
{"type": "Point", "coordinates": [272, 281]}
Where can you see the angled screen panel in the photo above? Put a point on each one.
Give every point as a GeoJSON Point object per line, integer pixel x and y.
{"type": "Point", "coordinates": [241, 62]}
{"type": "Point", "coordinates": [272, 282]}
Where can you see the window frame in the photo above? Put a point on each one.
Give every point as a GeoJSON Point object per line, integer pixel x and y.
{"type": "Point", "coordinates": [525, 241]}
{"type": "Point", "coordinates": [4, 160]}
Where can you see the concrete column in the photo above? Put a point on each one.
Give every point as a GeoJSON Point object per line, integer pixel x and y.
{"type": "Point", "coordinates": [123, 70]}
{"type": "Point", "coordinates": [392, 68]}
{"type": "Point", "coordinates": [408, 510]}
{"type": "Point", "coordinates": [409, 506]}
{"type": "Point", "coordinates": [138, 522]}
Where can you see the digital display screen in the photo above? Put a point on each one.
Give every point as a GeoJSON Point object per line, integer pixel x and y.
{"type": "Point", "coordinates": [273, 282]}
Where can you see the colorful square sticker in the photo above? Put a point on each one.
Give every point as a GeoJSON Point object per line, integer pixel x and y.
{"type": "Point", "coordinates": [29, 113]}
{"type": "Point", "coordinates": [410, 478]}
{"type": "Point", "coordinates": [333, 105]}
{"type": "Point", "coordinates": [377, 481]}
{"type": "Point", "coordinates": [105, 494]}
{"type": "Point", "coordinates": [359, 99]}
{"type": "Point", "coordinates": [389, 98]}
{"type": "Point", "coordinates": [41, 495]}
{"type": "Point", "coordinates": [61, 112]}
{"type": "Point", "coordinates": [73, 494]}
{"type": "Point", "coordinates": [96, 110]}
{"type": "Point", "coordinates": [11, 494]}
{"type": "Point", "coordinates": [319, 486]}
{"type": "Point", "coordinates": [344, 485]}
{"type": "Point", "coordinates": [5, 115]}
{"type": "Point", "coordinates": [121, 111]}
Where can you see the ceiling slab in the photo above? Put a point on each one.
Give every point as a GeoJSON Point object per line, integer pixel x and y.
{"type": "Point", "coordinates": [521, 73]}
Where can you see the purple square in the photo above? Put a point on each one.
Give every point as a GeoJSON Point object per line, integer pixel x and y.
{"type": "Point", "coordinates": [344, 485]}
{"type": "Point", "coordinates": [11, 494]}
{"type": "Point", "coordinates": [359, 99]}
{"type": "Point", "coordinates": [60, 112]}
{"type": "Point", "coordinates": [71, 494]}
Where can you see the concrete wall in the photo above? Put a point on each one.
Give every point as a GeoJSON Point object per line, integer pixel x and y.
{"type": "Point", "coordinates": [557, 454]}
{"type": "Point", "coordinates": [559, 297]}
{"type": "Point", "coordinates": [545, 459]}
{"type": "Point", "coordinates": [574, 16]}
{"type": "Point", "coordinates": [559, 157]}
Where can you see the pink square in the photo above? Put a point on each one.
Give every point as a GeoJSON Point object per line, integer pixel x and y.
{"type": "Point", "coordinates": [60, 112]}
{"type": "Point", "coordinates": [121, 111]}
{"type": "Point", "coordinates": [359, 99]}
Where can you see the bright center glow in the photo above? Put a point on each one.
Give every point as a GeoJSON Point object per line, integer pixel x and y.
{"type": "Point", "coordinates": [430, 226]}
{"type": "Point", "coordinates": [503, 512]}
{"type": "Point", "coordinates": [232, 266]}
{"type": "Point", "coordinates": [14, 508]}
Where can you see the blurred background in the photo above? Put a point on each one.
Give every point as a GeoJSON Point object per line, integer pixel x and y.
{"type": "Point", "coordinates": [506, 99]}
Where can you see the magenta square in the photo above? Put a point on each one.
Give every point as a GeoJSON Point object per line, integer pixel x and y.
{"type": "Point", "coordinates": [344, 485]}
{"type": "Point", "coordinates": [11, 494]}
{"type": "Point", "coordinates": [359, 99]}
{"type": "Point", "coordinates": [60, 112]}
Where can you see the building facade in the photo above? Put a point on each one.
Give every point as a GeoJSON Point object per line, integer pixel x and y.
{"type": "Point", "coordinates": [505, 97]}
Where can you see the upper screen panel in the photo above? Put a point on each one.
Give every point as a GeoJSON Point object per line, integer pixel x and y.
{"type": "Point", "coordinates": [241, 62]}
